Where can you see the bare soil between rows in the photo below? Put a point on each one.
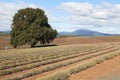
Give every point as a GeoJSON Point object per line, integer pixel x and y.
{"type": "Point", "coordinates": [99, 70]}
{"type": "Point", "coordinates": [37, 68]}
{"type": "Point", "coordinates": [49, 72]}
{"type": "Point", "coordinates": [61, 68]}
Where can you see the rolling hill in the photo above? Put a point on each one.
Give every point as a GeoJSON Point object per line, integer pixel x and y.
{"type": "Point", "coordinates": [85, 32]}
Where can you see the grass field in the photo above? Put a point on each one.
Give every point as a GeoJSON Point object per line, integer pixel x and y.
{"type": "Point", "coordinates": [53, 62]}
{"type": "Point", "coordinates": [62, 62]}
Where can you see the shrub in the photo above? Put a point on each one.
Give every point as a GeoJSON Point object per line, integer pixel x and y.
{"type": "Point", "coordinates": [98, 61]}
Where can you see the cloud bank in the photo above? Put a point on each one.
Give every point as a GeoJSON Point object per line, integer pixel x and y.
{"type": "Point", "coordinates": [69, 16]}
{"type": "Point", "coordinates": [99, 15]}
{"type": "Point", "coordinates": [7, 11]}
{"type": "Point", "coordinates": [87, 14]}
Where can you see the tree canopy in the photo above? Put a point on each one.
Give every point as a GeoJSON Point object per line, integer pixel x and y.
{"type": "Point", "coordinates": [30, 26]}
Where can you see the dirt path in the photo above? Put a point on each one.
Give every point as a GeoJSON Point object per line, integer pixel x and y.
{"type": "Point", "coordinates": [62, 68]}
{"type": "Point", "coordinates": [114, 74]}
{"type": "Point", "coordinates": [99, 70]}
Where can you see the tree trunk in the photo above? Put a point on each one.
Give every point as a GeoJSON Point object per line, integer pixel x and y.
{"type": "Point", "coordinates": [32, 46]}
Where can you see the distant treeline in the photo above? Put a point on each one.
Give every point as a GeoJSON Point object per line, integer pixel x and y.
{"type": "Point", "coordinates": [4, 34]}
{"type": "Point", "coordinates": [65, 36]}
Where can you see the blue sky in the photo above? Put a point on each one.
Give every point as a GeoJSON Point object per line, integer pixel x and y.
{"type": "Point", "coordinates": [68, 15]}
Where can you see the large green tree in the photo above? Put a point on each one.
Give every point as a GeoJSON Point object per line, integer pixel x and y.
{"type": "Point", "coordinates": [30, 26]}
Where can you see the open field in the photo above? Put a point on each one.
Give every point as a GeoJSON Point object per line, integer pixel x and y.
{"type": "Point", "coordinates": [5, 40]}
{"type": "Point", "coordinates": [86, 40]}
{"type": "Point", "coordinates": [66, 61]}
{"type": "Point", "coordinates": [108, 70]}
{"type": "Point", "coordinates": [59, 39]}
{"type": "Point", "coordinates": [54, 63]}
{"type": "Point", "coordinates": [113, 75]}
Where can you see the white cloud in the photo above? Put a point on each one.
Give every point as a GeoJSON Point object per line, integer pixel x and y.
{"type": "Point", "coordinates": [77, 8]}
{"type": "Point", "coordinates": [104, 14]}
{"type": "Point", "coordinates": [7, 10]}
{"type": "Point", "coordinates": [70, 16]}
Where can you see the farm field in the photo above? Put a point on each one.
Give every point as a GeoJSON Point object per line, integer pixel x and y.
{"type": "Point", "coordinates": [57, 62]}
{"type": "Point", "coordinates": [108, 70]}
{"type": "Point", "coordinates": [113, 75]}
{"type": "Point", "coordinates": [86, 40]}
{"type": "Point", "coordinates": [60, 40]}
{"type": "Point", "coordinates": [5, 40]}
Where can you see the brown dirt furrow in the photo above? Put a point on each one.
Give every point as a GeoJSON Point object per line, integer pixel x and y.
{"type": "Point", "coordinates": [62, 68]}
{"type": "Point", "coordinates": [98, 70]}
{"type": "Point", "coordinates": [114, 74]}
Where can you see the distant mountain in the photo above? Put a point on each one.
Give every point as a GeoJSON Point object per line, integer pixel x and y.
{"type": "Point", "coordinates": [65, 33]}
{"type": "Point", "coordinates": [81, 32]}
{"type": "Point", "coordinates": [4, 33]}
{"type": "Point", "coordinates": [85, 32]}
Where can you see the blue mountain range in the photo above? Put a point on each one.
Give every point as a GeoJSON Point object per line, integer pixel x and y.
{"type": "Point", "coordinates": [85, 32]}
